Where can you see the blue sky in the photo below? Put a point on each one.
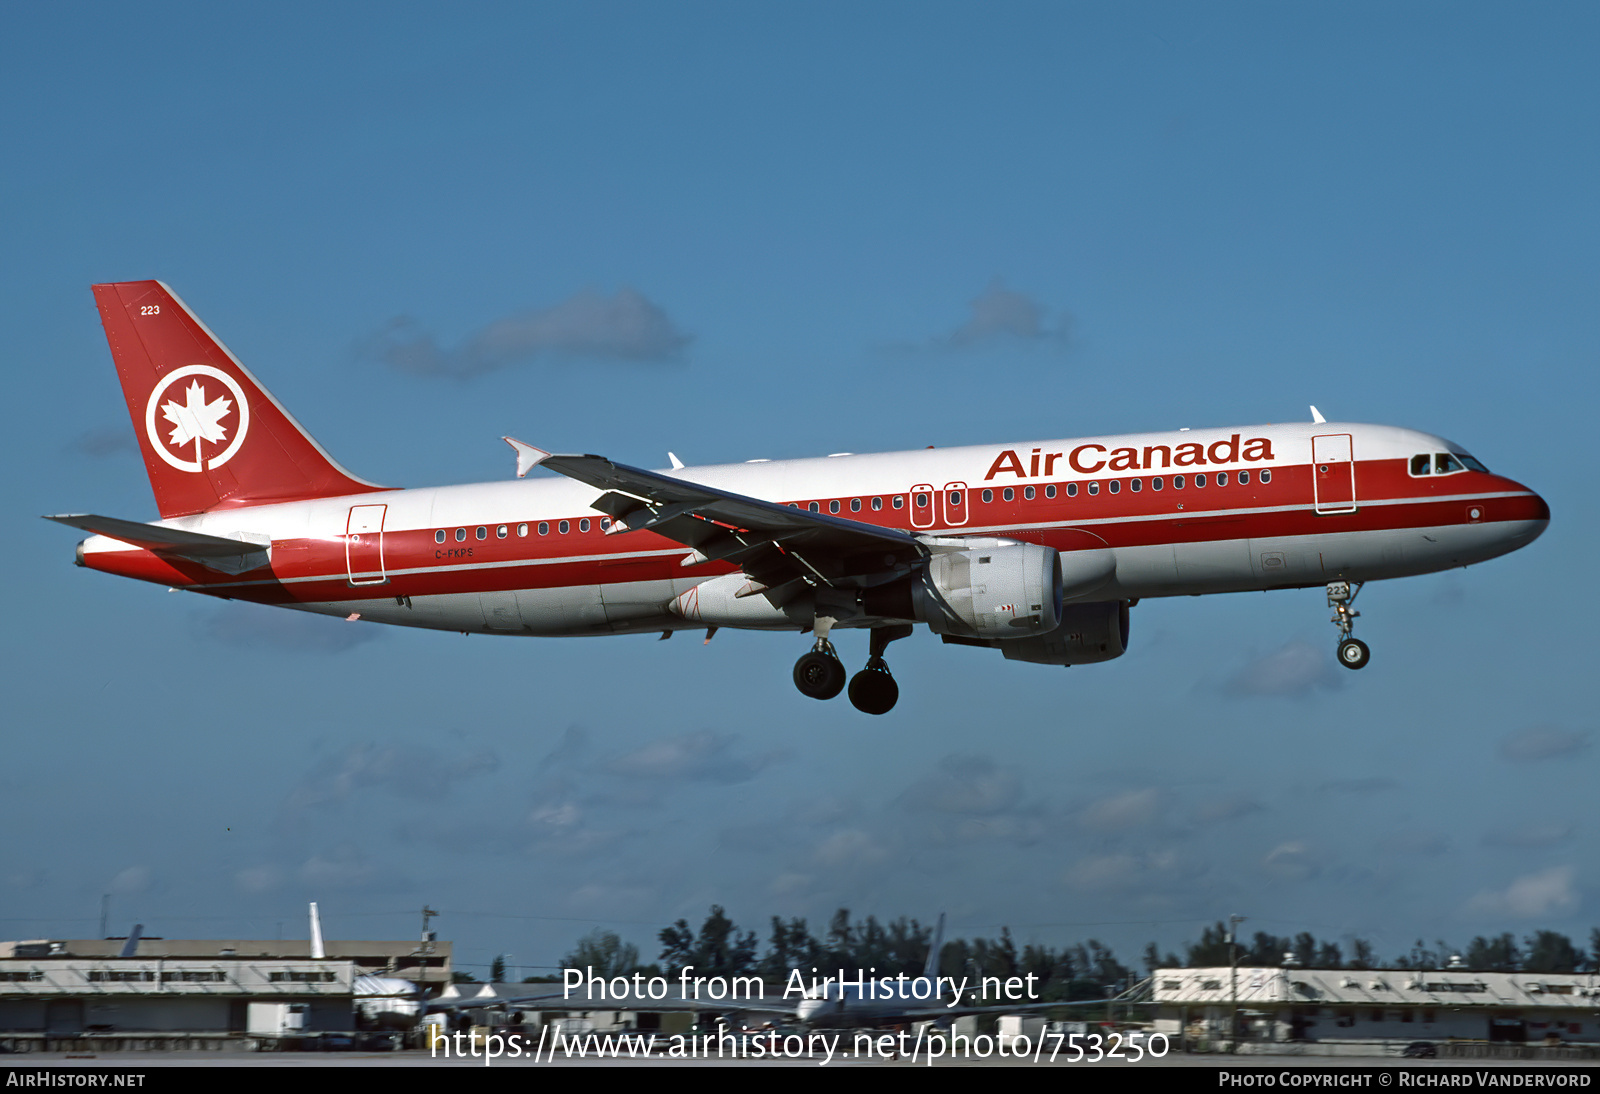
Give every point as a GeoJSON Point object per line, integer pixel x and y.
{"type": "Point", "coordinates": [741, 231]}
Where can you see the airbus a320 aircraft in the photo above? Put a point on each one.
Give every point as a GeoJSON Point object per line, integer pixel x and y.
{"type": "Point", "coordinates": [1036, 549]}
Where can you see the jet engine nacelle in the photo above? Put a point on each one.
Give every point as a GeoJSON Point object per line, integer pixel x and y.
{"type": "Point", "coordinates": [1009, 590]}
{"type": "Point", "coordinates": [1087, 633]}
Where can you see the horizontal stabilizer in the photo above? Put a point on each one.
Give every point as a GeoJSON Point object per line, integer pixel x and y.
{"type": "Point", "coordinates": [165, 541]}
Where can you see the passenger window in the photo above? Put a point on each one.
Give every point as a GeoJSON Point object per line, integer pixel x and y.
{"type": "Point", "coordinates": [1266, 475]}
{"type": "Point", "coordinates": [483, 533]}
{"type": "Point", "coordinates": [877, 503]}
{"type": "Point", "coordinates": [955, 497]}
{"type": "Point", "coordinates": [1177, 482]}
{"type": "Point", "coordinates": [988, 496]}
{"type": "Point", "coordinates": [583, 525]}
{"type": "Point", "coordinates": [1157, 483]}
{"type": "Point", "coordinates": [833, 507]}
{"type": "Point", "coordinates": [1136, 485]}
{"type": "Point", "coordinates": [605, 522]}
{"type": "Point", "coordinates": [1009, 494]}
{"type": "Point", "coordinates": [1116, 486]}
{"type": "Point", "coordinates": [1222, 478]}
{"type": "Point", "coordinates": [1050, 491]}
{"type": "Point", "coordinates": [1027, 493]}
{"type": "Point", "coordinates": [500, 532]}
{"type": "Point", "coordinates": [1244, 478]}
{"type": "Point", "coordinates": [855, 505]}
{"type": "Point", "coordinates": [813, 507]}
{"type": "Point", "coordinates": [899, 501]}
{"type": "Point", "coordinates": [461, 535]}
{"type": "Point", "coordinates": [438, 537]}
{"type": "Point", "coordinates": [564, 527]}
{"type": "Point", "coordinates": [1094, 488]}
{"type": "Point", "coordinates": [1072, 489]}
{"type": "Point", "coordinates": [921, 501]}
{"type": "Point", "coordinates": [544, 528]}
{"type": "Point", "coordinates": [522, 530]}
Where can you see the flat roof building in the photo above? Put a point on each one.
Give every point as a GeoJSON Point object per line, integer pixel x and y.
{"type": "Point", "coordinates": [1364, 1006]}
{"type": "Point", "coordinates": [425, 964]}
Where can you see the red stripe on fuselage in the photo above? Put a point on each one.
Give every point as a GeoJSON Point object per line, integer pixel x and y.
{"type": "Point", "coordinates": [1387, 499]}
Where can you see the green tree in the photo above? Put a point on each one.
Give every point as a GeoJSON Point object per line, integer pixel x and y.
{"type": "Point", "coordinates": [1153, 959]}
{"type": "Point", "coordinates": [1498, 954]}
{"type": "Point", "coordinates": [497, 969]}
{"type": "Point", "coordinates": [1212, 949]}
{"type": "Point", "coordinates": [605, 953]}
{"type": "Point", "coordinates": [1362, 955]}
{"type": "Point", "coordinates": [1549, 951]}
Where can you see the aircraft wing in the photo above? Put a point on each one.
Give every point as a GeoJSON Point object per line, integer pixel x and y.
{"type": "Point", "coordinates": [783, 547]}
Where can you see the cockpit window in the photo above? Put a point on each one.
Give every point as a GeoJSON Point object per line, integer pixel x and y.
{"type": "Point", "coordinates": [1444, 463]}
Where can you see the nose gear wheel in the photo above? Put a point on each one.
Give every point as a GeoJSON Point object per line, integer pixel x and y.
{"type": "Point", "coordinates": [1353, 653]}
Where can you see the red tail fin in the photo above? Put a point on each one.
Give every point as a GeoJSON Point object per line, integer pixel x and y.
{"type": "Point", "coordinates": [211, 435]}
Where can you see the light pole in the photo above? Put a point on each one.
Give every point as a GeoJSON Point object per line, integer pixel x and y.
{"type": "Point", "coordinates": [1233, 977]}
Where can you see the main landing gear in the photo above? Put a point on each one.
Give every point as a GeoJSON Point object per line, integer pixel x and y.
{"type": "Point", "coordinates": [820, 674]}
{"type": "Point", "coordinates": [1353, 653]}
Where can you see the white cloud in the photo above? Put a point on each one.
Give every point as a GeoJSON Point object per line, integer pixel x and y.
{"type": "Point", "coordinates": [1542, 743]}
{"type": "Point", "coordinates": [1531, 836]}
{"type": "Point", "coordinates": [1129, 810]}
{"type": "Point", "coordinates": [258, 879]}
{"type": "Point", "coordinates": [135, 879]}
{"type": "Point", "coordinates": [1532, 896]}
{"type": "Point", "coordinates": [1295, 671]}
{"type": "Point", "coordinates": [999, 312]}
{"type": "Point", "coordinates": [701, 756]}
{"type": "Point", "coordinates": [966, 785]}
{"type": "Point", "coordinates": [1293, 861]}
{"type": "Point", "coordinates": [1149, 872]}
{"type": "Point", "coordinates": [407, 771]}
{"type": "Point", "coordinates": [850, 847]}
{"type": "Point", "coordinates": [621, 327]}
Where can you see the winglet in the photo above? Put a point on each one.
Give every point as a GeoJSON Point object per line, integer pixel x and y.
{"type": "Point", "coordinates": [677, 464]}
{"type": "Point", "coordinates": [528, 457]}
{"type": "Point", "coordinates": [1316, 416]}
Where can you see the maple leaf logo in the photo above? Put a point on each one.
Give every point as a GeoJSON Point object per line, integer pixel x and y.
{"type": "Point", "coordinates": [196, 420]}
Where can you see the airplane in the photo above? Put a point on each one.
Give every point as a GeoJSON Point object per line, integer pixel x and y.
{"type": "Point", "coordinates": [1036, 549]}
{"type": "Point", "coordinates": [864, 998]}
{"type": "Point", "coordinates": [867, 999]}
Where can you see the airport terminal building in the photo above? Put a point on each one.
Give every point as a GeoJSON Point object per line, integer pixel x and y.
{"type": "Point", "coordinates": [53, 991]}
{"type": "Point", "coordinates": [1368, 1006]}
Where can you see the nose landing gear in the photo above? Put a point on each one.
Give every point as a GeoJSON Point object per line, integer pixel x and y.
{"type": "Point", "coordinates": [1353, 653]}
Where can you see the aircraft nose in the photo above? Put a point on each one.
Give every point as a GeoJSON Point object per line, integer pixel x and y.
{"type": "Point", "coordinates": [1530, 517]}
